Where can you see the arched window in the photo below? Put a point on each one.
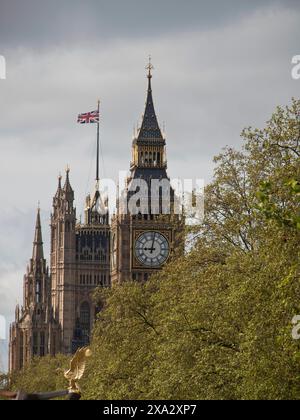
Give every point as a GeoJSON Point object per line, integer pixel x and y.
{"type": "Point", "coordinates": [38, 292]}
{"type": "Point", "coordinates": [42, 344]}
{"type": "Point", "coordinates": [21, 355]}
{"type": "Point", "coordinates": [35, 344]}
{"type": "Point", "coordinates": [85, 322]}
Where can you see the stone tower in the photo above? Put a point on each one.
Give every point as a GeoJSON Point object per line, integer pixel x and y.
{"type": "Point", "coordinates": [35, 332]}
{"type": "Point", "coordinates": [92, 265]}
{"type": "Point", "coordinates": [79, 263]}
{"type": "Point", "coordinates": [63, 261]}
{"type": "Point", "coordinates": [145, 230]}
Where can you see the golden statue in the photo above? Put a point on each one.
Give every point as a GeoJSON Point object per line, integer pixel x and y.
{"type": "Point", "coordinates": [77, 368]}
{"type": "Point", "coordinates": [73, 375]}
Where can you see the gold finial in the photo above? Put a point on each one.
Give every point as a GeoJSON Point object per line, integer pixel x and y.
{"type": "Point", "coordinates": [68, 169]}
{"type": "Point", "coordinates": [150, 67]}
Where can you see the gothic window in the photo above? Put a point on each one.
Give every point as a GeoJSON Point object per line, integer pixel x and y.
{"type": "Point", "coordinates": [30, 291]}
{"type": "Point", "coordinates": [53, 344]}
{"type": "Point", "coordinates": [35, 344]}
{"type": "Point", "coordinates": [26, 345]}
{"type": "Point", "coordinates": [42, 344]}
{"type": "Point", "coordinates": [53, 239]}
{"type": "Point", "coordinates": [38, 292]}
{"type": "Point", "coordinates": [21, 349]}
{"type": "Point", "coordinates": [61, 235]}
{"type": "Point", "coordinates": [85, 321]}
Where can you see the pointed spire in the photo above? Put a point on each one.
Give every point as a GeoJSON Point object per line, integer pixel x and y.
{"type": "Point", "coordinates": [150, 129]}
{"type": "Point", "coordinates": [59, 189]}
{"type": "Point", "coordinates": [67, 186]}
{"type": "Point", "coordinates": [38, 251]}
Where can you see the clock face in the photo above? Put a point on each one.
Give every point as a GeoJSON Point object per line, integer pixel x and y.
{"type": "Point", "coordinates": [152, 249]}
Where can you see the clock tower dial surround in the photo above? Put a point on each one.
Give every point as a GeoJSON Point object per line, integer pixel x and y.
{"type": "Point", "coordinates": [151, 249]}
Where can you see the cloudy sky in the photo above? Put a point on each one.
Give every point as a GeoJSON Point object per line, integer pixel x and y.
{"type": "Point", "coordinates": [219, 66]}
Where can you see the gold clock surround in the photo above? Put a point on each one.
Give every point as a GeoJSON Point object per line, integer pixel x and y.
{"type": "Point", "coordinates": [136, 264]}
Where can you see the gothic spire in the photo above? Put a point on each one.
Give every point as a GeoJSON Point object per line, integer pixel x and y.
{"type": "Point", "coordinates": [38, 251]}
{"type": "Point", "coordinates": [58, 192]}
{"type": "Point", "coordinates": [150, 129]}
{"type": "Point", "coordinates": [67, 186]}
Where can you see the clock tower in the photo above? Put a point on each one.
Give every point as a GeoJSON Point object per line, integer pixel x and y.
{"type": "Point", "coordinates": [145, 231]}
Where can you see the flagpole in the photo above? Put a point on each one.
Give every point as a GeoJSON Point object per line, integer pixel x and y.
{"type": "Point", "coordinates": [98, 147]}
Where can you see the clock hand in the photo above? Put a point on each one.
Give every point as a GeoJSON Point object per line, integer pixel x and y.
{"type": "Point", "coordinates": [153, 249]}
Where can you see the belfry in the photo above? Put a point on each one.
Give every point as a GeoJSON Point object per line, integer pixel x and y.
{"type": "Point", "coordinates": [146, 237]}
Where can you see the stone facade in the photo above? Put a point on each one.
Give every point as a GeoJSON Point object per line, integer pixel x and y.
{"type": "Point", "coordinates": [79, 264]}
{"type": "Point", "coordinates": [35, 331]}
{"type": "Point", "coordinates": [58, 311]}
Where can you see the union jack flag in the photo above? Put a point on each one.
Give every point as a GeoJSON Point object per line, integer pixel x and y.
{"type": "Point", "coordinates": [89, 118]}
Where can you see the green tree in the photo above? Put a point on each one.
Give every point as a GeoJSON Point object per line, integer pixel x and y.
{"type": "Point", "coordinates": [215, 323]}
{"type": "Point", "coordinates": [42, 375]}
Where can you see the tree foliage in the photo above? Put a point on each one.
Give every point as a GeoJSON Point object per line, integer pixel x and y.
{"type": "Point", "coordinates": [216, 322]}
{"type": "Point", "coordinates": [42, 375]}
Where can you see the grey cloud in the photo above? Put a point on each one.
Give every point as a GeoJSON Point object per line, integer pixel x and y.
{"type": "Point", "coordinates": [41, 23]}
